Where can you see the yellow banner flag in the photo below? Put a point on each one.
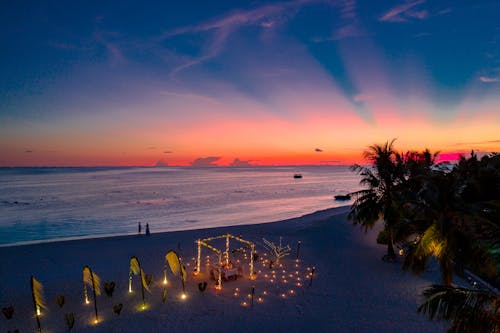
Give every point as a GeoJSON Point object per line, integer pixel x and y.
{"type": "Point", "coordinates": [173, 262]}
{"type": "Point", "coordinates": [37, 292]}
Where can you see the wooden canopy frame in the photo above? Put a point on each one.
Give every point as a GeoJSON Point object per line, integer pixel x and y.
{"type": "Point", "coordinates": [204, 242]}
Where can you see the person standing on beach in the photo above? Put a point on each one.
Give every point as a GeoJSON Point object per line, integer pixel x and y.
{"type": "Point", "coordinates": [147, 229]}
{"type": "Point", "coordinates": [139, 228]}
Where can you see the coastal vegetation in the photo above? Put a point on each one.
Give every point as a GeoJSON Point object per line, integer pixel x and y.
{"type": "Point", "coordinates": [442, 214]}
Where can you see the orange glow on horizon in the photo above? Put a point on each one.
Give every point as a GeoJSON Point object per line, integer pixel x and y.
{"type": "Point", "coordinates": [312, 135]}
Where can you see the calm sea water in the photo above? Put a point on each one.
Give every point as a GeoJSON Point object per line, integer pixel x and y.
{"type": "Point", "coordinates": [41, 204]}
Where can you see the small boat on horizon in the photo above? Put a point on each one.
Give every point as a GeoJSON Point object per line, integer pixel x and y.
{"type": "Point", "coordinates": [297, 176]}
{"type": "Point", "coordinates": [342, 197]}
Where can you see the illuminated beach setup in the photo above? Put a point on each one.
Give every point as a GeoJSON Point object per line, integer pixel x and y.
{"type": "Point", "coordinates": [289, 293]}
{"type": "Point", "coordinates": [224, 266]}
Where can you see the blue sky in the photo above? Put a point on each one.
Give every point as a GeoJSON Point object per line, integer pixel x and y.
{"type": "Point", "coordinates": [127, 76]}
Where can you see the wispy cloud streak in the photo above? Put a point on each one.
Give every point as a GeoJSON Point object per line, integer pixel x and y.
{"type": "Point", "coordinates": [488, 79]}
{"type": "Point", "coordinates": [401, 13]}
{"type": "Point", "coordinates": [223, 27]}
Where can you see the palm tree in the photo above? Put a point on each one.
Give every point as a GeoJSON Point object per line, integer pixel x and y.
{"type": "Point", "coordinates": [449, 236]}
{"type": "Point", "coordinates": [452, 234]}
{"type": "Point", "coordinates": [469, 311]}
{"type": "Point", "coordinates": [380, 199]}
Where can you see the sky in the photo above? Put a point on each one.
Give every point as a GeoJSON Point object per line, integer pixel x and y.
{"type": "Point", "coordinates": [98, 83]}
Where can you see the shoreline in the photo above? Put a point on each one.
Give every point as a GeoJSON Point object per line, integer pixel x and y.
{"type": "Point", "coordinates": [353, 289]}
{"type": "Point", "coordinates": [333, 210]}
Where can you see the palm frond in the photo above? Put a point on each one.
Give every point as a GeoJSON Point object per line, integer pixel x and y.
{"type": "Point", "coordinates": [467, 310]}
{"type": "Point", "coordinates": [419, 252]}
{"type": "Point", "coordinates": [365, 209]}
{"type": "Point", "coordinates": [135, 268]}
{"type": "Point", "coordinates": [37, 291]}
{"type": "Point", "coordinates": [173, 262]}
{"type": "Point", "coordinates": [92, 279]}
{"type": "Point", "coordinates": [431, 243]}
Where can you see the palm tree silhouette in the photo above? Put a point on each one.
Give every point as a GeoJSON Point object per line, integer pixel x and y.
{"type": "Point", "coordinates": [381, 199]}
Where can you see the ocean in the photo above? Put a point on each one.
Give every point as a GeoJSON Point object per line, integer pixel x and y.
{"type": "Point", "coordinates": [46, 204]}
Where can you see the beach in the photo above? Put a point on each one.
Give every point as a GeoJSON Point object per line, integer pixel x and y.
{"type": "Point", "coordinates": [352, 289]}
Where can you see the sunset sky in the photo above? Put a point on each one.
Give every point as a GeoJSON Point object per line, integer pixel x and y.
{"type": "Point", "coordinates": [245, 82]}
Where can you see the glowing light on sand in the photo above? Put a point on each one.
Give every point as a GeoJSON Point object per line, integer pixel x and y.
{"type": "Point", "coordinates": [142, 307]}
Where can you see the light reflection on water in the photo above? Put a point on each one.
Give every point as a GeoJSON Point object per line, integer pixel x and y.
{"type": "Point", "coordinates": [50, 203]}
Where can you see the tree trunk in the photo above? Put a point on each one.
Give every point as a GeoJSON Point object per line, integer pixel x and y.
{"type": "Point", "coordinates": [446, 271]}
{"type": "Point", "coordinates": [391, 255]}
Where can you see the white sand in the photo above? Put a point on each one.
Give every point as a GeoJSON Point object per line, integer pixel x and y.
{"type": "Point", "coordinates": [352, 290]}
